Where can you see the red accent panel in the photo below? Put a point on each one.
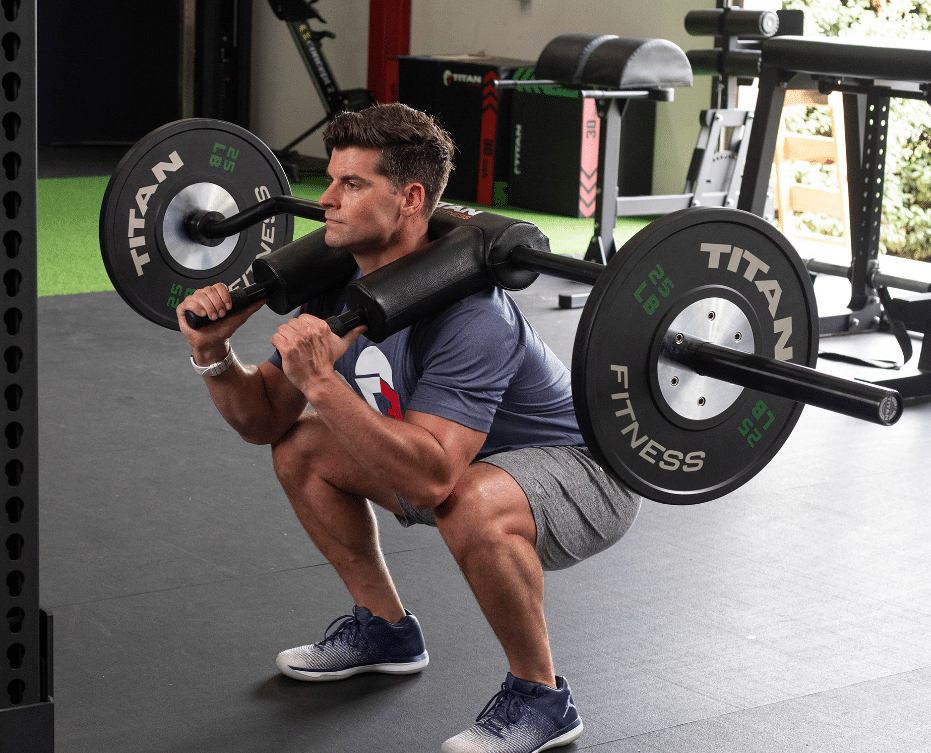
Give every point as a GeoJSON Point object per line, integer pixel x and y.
{"type": "Point", "coordinates": [389, 36]}
{"type": "Point", "coordinates": [486, 170]}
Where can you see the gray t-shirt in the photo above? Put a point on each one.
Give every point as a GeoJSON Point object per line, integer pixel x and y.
{"type": "Point", "coordinates": [479, 363]}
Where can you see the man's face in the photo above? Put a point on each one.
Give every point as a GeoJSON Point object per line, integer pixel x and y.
{"type": "Point", "coordinates": [363, 208]}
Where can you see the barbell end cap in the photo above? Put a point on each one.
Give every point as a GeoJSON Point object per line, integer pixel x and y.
{"type": "Point", "coordinates": [890, 408]}
{"type": "Point", "coordinates": [197, 226]}
{"type": "Point", "coordinates": [344, 323]}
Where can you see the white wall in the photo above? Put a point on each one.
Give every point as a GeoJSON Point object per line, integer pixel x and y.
{"type": "Point", "coordinates": [284, 102]}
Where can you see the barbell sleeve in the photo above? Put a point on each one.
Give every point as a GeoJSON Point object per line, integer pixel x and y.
{"type": "Point", "coordinates": [242, 299]}
{"type": "Point", "coordinates": [862, 400]}
{"type": "Point", "coordinates": [556, 265]}
{"type": "Point", "coordinates": [875, 277]}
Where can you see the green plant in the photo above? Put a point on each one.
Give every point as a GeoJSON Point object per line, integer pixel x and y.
{"type": "Point", "coordinates": [906, 223]}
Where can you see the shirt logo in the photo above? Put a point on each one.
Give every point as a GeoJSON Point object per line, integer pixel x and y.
{"type": "Point", "coordinates": [374, 379]}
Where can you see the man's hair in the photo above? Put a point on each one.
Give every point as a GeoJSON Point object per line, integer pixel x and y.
{"type": "Point", "coordinates": [414, 147]}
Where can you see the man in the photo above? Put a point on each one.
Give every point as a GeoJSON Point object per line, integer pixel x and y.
{"type": "Point", "coordinates": [467, 425]}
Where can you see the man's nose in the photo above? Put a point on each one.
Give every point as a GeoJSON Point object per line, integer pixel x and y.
{"type": "Point", "coordinates": [328, 197]}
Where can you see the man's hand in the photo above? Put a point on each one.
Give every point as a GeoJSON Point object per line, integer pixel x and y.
{"type": "Point", "coordinates": [309, 349]}
{"type": "Point", "coordinates": [208, 344]}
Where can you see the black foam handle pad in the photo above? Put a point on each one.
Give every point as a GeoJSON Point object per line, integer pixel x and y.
{"type": "Point", "coordinates": [242, 299]}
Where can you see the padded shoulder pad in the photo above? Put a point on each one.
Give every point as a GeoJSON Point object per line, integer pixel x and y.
{"type": "Point", "coordinates": [611, 62]}
{"type": "Point", "coordinates": [871, 58]}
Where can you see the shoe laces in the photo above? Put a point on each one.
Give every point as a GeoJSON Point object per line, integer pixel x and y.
{"type": "Point", "coordinates": [504, 708]}
{"type": "Point", "coordinates": [348, 631]}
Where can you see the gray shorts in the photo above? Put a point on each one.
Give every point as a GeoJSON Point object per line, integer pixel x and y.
{"type": "Point", "coordinates": [578, 508]}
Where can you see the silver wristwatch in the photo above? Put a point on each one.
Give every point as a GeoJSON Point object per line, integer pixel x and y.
{"type": "Point", "coordinates": [214, 369]}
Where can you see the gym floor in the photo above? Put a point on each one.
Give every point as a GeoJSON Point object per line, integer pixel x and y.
{"type": "Point", "coordinates": [793, 614]}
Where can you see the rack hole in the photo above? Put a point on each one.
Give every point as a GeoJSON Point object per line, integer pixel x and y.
{"type": "Point", "coordinates": [14, 509]}
{"type": "Point", "coordinates": [14, 472]}
{"type": "Point", "coordinates": [14, 546]}
{"type": "Point", "coordinates": [15, 654]}
{"type": "Point", "coordinates": [15, 618]}
{"type": "Point", "coordinates": [14, 434]}
{"type": "Point", "coordinates": [14, 583]}
{"type": "Point", "coordinates": [11, 9]}
{"type": "Point", "coordinates": [11, 165]}
{"type": "Point", "coordinates": [11, 44]}
{"type": "Point", "coordinates": [16, 690]}
{"type": "Point", "coordinates": [12, 241]}
{"type": "Point", "coordinates": [14, 397]}
{"type": "Point", "coordinates": [12, 318]}
{"type": "Point", "coordinates": [13, 279]}
{"type": "Point", "coordinates": [13, 357]}
{"type": "Point", "coordinates": [12, 201]}
{"type": "Point", "coordinates": [11, 123]}
{"type": "Point", "coordinates": [11, 83]}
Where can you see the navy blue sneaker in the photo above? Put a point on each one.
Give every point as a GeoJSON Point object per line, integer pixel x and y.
{"type": "Point", "coordinates": [524, 717]}
{"type": "Point", "coordinates": [361, 643]}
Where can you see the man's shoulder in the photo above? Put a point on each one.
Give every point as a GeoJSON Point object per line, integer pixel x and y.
{"type": "Point", "coordinates": [481, 309]}
{"type": "Point", "coordinates": [484, 321]}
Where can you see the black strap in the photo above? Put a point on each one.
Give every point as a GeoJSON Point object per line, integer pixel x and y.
{"type": "Point", "coordinates": [898, 329]}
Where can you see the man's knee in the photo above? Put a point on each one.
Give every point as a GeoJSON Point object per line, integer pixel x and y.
{"type": "Point", "coordinates": [485, 508]}
{"type": "Point", "coordinates": [295, 454]}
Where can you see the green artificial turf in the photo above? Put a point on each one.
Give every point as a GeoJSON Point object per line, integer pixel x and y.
{"type": "Point", "coordinates": [69, 259]}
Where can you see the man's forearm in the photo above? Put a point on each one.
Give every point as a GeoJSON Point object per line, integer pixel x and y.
{"type": "Point", "coordinates": [241, 397]}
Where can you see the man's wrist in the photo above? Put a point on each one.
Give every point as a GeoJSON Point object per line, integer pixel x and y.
{"type": "Point", "coordinates": [206, 355]}
{"type": "Point", "coordinates": [212, 361]}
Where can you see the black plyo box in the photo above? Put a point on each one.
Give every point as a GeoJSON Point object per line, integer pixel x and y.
{"type": "Point", "coordinates": [554, 150]}
{"type": "Point", "coordinates": [459, 92]}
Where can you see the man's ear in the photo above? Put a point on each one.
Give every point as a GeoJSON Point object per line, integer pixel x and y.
{"type": "Point", "coordinates": [414, 197]}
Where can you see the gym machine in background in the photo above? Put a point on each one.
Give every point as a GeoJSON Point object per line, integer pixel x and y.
{"type": "Point", "coordinates": [868, 73]}
{"type": "Point", "coordinates": [298, 15]}
{"type": "Point", "coordinates": [606, 69]}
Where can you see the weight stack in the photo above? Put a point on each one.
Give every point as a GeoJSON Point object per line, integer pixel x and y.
{"type": "Point", "coordinates": [554, 149]}
{"type": "Point", "coordinates": [26, 706]}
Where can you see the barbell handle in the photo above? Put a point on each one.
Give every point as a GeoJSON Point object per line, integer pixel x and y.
{"type": "Point", "coordinates": [242, 299]}
{"type": "Point", "coordinates": [294, 205]}
{"type": "Point", "coordinates": [863, 400]}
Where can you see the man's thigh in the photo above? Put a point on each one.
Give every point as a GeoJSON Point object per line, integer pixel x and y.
{"type": "Point", "coordinates": [578, 509]}
{"type": "Point", "coordinates": [557, 497]}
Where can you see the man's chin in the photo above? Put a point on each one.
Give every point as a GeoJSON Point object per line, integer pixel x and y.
{"type": "Point", "coordinates": [333, 238]}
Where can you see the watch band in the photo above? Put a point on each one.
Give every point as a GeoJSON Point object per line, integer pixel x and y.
{"type": "Point", "coordinates": [215, 369]}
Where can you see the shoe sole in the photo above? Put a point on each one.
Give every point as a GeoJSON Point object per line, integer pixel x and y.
{"type": "Point", "coordinates": [564, 739]}
{"type": "Point", "coordinates": [388, 668]}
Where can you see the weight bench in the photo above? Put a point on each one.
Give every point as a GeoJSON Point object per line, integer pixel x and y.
{"type": "Point", "coordinates": [612, 71]}
{"type": "Point", "coordinates": [868, 72]}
